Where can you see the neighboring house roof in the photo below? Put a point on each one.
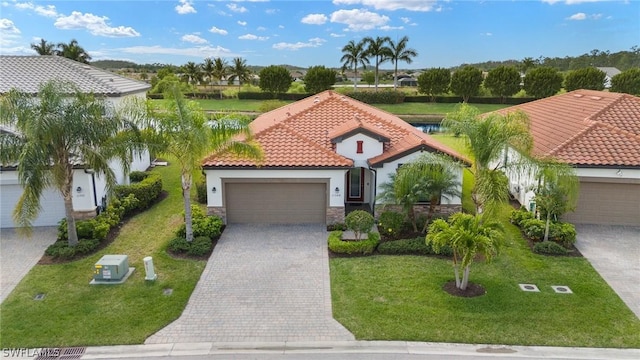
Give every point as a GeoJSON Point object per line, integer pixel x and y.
{"type": "Point", "coordinates": [303, 134]}
{"type": "Point", "coordinates": [610, 71]}
{"type": "Point", "coordinates": [586, 128]}
{"type": "Point", "coordinates": [27, 73]}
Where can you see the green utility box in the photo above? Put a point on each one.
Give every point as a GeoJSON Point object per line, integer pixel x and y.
{"type": "Point", "coordinates": [111, 268]}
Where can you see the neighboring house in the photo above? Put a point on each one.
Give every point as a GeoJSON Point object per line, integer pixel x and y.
{"type": "Point", "coordinates": [322, 155]}
{"type": "Point", "coordinates": [610, 73]}
{"type": "Point", "coordinates": [408, 82]}
{"type": "Point", "coordinates": [26, 73]}
{"type": "Point", "coordinates": [297, 75]}
{"type": "Point", "coordinates": [598, 133]}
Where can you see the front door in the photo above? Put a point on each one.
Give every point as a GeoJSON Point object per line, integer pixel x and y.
{"type": "Point", "coordinates": [355, 185]}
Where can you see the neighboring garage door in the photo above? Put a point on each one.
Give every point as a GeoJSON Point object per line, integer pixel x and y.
{"type": "Point", "coordinates": [51, 203]}
{"type": "Point", "coordinates": [607, 203]}
{"type": "Point", "coordinates": [276, 203]}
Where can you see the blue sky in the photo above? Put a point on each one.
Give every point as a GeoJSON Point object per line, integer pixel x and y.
{"type": "Point", "coordinates": [445, 33]}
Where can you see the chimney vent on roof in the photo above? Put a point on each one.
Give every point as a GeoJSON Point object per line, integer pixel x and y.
{"type": "Point", "coordinates": [577, 95]}
{"type": "Point", "coordinates": [596, 97]}
{"type": "Point", "coordinates": [288, 114]}
{"type": "Point", "coordinates": [317, 99]}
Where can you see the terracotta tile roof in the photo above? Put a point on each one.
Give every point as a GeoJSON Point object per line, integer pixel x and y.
{"type": "Point", "coordinates": [27, 73]}
{"type": "Point", "coordinates": [586, 127]}
{"type": "Point", "coordinates": [300, 134]}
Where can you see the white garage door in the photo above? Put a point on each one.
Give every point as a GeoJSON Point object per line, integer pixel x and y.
{"type": "Point", "coordinates": [607, 204]}
{"type": "Point", "coordinates": [276, 203]}
{"type": "Point", "coordinates": [51, 202]}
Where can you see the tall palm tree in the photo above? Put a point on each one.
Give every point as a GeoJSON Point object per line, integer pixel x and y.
{"type": "Point", "coordinates": [186, 134]}
{"type": "Point", "coordinates": [354, 55]}
{"type": "Point", "coordinates": [208, 70]}
{"type": "Point", "coordinates": [44, 47]}
{"type": "Point", "coordinates": [400, 52]}
{"type": "Point", "coordinates": [191, 73]}
{"type": "Point", "coordinates": [221, 70]}
{"type": "Point", "coordinates": [467, 235]}
{"type": "Point", "coordinates": [487, 139]}
{"type": "Point", "coordinates": [73, 51]}
{"type": "Point", "coordinates": [379, 50]}
{"type": "Point", "coordinates": [240, 71]}
{"type": "Point", "coordinates": [54, 131]}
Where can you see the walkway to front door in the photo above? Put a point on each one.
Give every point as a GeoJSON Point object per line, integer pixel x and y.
{"type": "Point", "coordinates": [262, 283]}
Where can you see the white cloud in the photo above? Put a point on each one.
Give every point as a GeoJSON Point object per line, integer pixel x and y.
{"type": "Point", "coordinates": [337, 35]}
{"type": "Point", "coordinates": [242, 23]}
{"type": "Point", "coordinates": [252, 37]}
{"type": "Point", "coordinates": [194, 39]}
{"type": "Point", "coordinates": [218, 31]}
{"type": "Point", "coordinates": [261, 28]}
{"type": "Point", "coordinates": [280, 26]}
{"type": "Point", "coordinates": [486, 34]}
{"type": "Point", "coordinates": [185, 7]}
{"type": "Point", "coordinates": [596, 16]}
{"type": "Point", "coordinates": [42, 10]}
{"type": "Point", "coordinates": [236, 8]}
{"type": "Point", "coordinates": [578, 16]}
{"type": "Point", "coordinates": [405, 20]}
{"type": "Point", "coordinates": [389, 28]}
{"type": "Point", "coordinates": [411, 5]}
{"type": "Point", "coordinates": [314, 19]}
{"type": "Point", "coordinates": [271, 11]}
{"type": "Point", "coordinates": [315, 42]}
{"type": "Point", "coordinates": [201, 51]}
{"type": "Point", "coordinates": [359, 19]}
{"type": "Point", "coordinates": [7, 27]}
{"type": "Point", "coordinates": [96, 25]}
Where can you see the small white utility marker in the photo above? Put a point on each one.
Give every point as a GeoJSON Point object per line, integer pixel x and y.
{"type": "Point", "coordinates": [113, 282]}
{"type": "Point", "coordinates": [529, 287]}
{"type": "Point", "coordinates": [561, 289]}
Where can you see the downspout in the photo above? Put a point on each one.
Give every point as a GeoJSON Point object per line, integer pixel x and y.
{"type": "Point", "coordinates": [375, 190]}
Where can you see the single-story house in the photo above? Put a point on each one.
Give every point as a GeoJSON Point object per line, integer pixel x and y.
{"type": "Point", "coordinates": [598, 133]}
{"type": "Point", "coordinates": [408, 82]}
{"type": "Point", "coordinates": [27, 73]}
{"type": "Point", "coordinates": [610, 73]}
{"type": "Point", "coordinates": [322, 155]}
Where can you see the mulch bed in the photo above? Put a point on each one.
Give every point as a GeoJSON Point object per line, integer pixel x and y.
{"type": "Point", "coordinates": [111, 236]}
{"type": "Point", "coordinates": [472, 290]}
{"type": "Point", "coordinates": [204, 257]}
{"type": "Point", "coordinates": [573, 251]}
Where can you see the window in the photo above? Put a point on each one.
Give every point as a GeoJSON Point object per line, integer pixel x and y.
{"type": "Point", "coordinates": [359, 146]}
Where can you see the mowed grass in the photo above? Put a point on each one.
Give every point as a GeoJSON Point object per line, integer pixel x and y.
{"type": "Point", "coordinates": [401, 298]}
{"type": "Point", "coordinates": [398, 109]}
{"type": "Point", "coordinates": [74, 313]}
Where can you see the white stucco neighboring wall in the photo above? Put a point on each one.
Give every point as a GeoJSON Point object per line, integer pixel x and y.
{"type": "Point", "coordinates": [370, 148]}
{"type": "Point", "coordinates": [215, 178]}
{"type": "Point", "coordinates": [382, 175]}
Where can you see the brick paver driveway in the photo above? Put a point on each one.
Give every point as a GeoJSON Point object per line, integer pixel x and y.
{"type": "Point", "coordinates": [614, 251]}
{"type": "Point", "coordinates": [262, 283]}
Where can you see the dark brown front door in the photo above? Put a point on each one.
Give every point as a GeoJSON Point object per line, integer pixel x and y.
{"type": "Point", "coordinates": [355, 185]}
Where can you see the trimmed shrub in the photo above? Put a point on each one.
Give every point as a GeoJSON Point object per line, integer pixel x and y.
{"type": "Point", "coordinates": [364, 247]}
{"type": "Point", "coordinates": [417, 246]}
{"type": "Point", "coordinates": [86, 246]}
{"type": "Point", "coordinates": [61, 250]}
{"type": "Point", "coordinates": [146, 191]}
{"type": "Point", "coordinates": [391, 223]}
{"type": "Point", "coordinates": [178, 245]}
{"type": "Point", "coordinates": [549, 248]}
{"type": "Point", "coordinates": [359, 221]}
{"type": "Point", "coordinates": [201, 245]}
{"type": "Point", "coordinates": [563, 233]}
{"type": "Point", "coordinates": [337, 226]}
{"type": "Point", "coordinates": [533, 229]}
{"type": "Point", "coordinates": [518, 216]}
{"type": "Point", "coordinates": [137, 176]}
{"type": "Point", "coordinates": [202, 225]}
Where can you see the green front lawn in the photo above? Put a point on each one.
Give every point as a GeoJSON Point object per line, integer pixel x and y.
{"type": "Point", "coordinates": [401, 298]}
{"type": "Point", "coordinates": [74, 313]}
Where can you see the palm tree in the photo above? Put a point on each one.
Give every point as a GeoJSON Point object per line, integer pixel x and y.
{"type": "Point", "coordinates": [557, 191]}
{"type": "Point", "coordinates": [399, 52]}
{"type": "Point", "coordinates": [73, 51]}
{"type": "Point", "coordinates": [186, 134]}
{"type": "Point", "coordinates": [378, 49]}
{"type": "Point", "coordinates": [54, 132]}
{"type": "Point", "coordinates": [208, 70]}
{"type": "Point", "coordinates": [467, 235]}
{"type": "Point", "coordinates": [44, 47]}
{"type": "Point", "coordinates": [488, 138]}
{"type": "Point", "coordinates": [220, 70]}
{"type": "Point", "coordinates": [191, 73]}
{"type": "Point", "coordinates": [354, 55]}
{"type": "Point", "coordinates": [239, 71]}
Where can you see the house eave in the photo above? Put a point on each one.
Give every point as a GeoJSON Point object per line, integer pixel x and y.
{"type": "Point", "coordinates": [276, 167]}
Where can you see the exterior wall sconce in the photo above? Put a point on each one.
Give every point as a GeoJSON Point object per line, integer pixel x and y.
{"type": "Point", "coordinates": [213, 189]}
{"type": "Point", "coordinates": [619, 172]}
{"type": "Point", "coordinates": [337, 190]}
{"type": "Point", "coordinates": [79, 189]}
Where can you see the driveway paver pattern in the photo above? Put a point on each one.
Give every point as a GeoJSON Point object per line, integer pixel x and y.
{"type": "Point", "coordinates": [263, 283]}
{"type": "Point", "coordinates": [614, 251]}
{"type": "Point", "coordinates": [19, 253]}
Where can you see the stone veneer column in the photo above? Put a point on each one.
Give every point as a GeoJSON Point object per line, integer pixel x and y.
{"type": "Point", "coordinates": [335, 215]}
{"type": "Point", "coordinates": [220, 211]}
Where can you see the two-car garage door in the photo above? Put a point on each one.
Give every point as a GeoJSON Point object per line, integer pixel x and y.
{"type": "Point", "coordinates": [276, 202]}
{"type": "Point", "coordinates": [607, 203]}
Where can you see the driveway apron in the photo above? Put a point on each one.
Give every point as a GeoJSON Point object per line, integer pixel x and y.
{"type": "Point", "coordinates": [614, 251]}
{"type": "Point", "coordinates": [262, 283]}
{"type": "Point", "coordinates": [19, 253]}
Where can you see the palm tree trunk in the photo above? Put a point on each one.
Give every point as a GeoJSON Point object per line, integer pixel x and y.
{"type": "Point", "coordinates": [72, 234]}
{"type": "Point", "coordinates": [465, 278]}
{"type": "Point", "coordinates": [432, 209]}
{"type": "Point", "coordinates": [186, 197]}
{"type": "Point", "coordinates": [376, 73]}
{"type": "Point", "coordinates": [395, 76]}
{"type": "Point", "coordinates": [355, 77]}
{"type": "Point", "coordinates": [455, 270]}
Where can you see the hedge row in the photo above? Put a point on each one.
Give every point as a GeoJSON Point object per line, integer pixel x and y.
{"type": "Point", "coordinates": [247, 95]}
{"type": "Point", "coordinates": [146, 191]}
{"type": "Point", "coordinates": [362, 247]}
{"type": "Point", "coordinates": [380, 97]}
{"type": "Point", "coordinates": [472, 100]}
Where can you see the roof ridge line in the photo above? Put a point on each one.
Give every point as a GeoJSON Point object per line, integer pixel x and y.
{"type": "Point", "coordinates": [594, 116]}
{"type": "Point", "coordinates": [574, 138]}
{"type": "Point", "coordinates": [313, 143]}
